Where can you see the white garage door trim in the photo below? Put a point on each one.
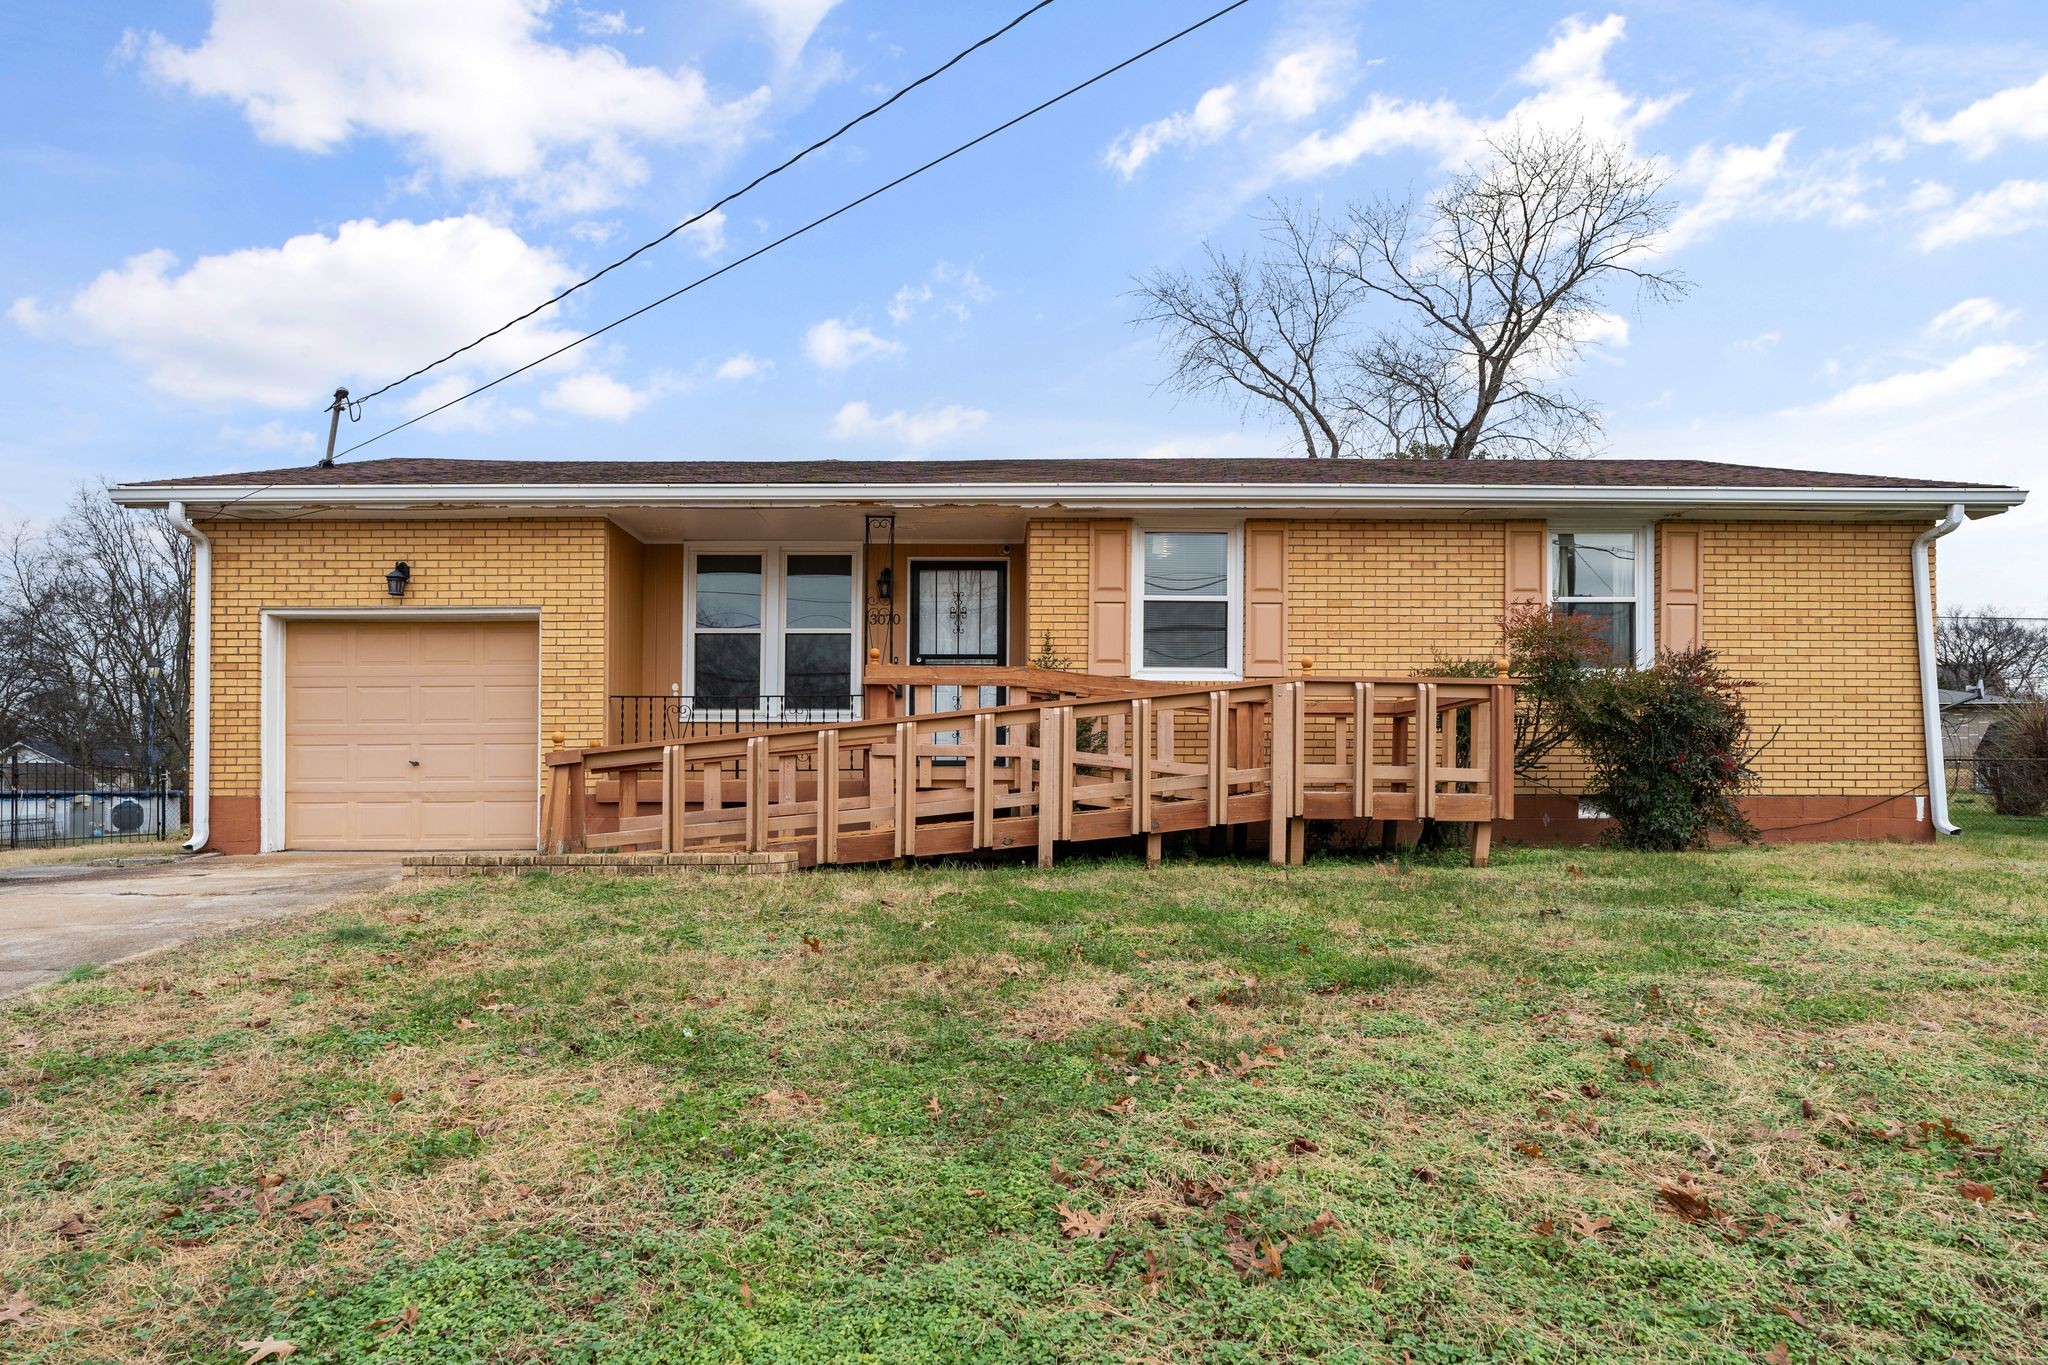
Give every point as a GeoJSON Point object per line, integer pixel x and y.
{"type": "Point", "coordinates": [270, 806]}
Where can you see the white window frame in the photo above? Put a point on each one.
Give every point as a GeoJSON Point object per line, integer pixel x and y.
{"type": "Point", "coordinates": [1233, 611]}
{"type": "Point", "coordinates": [1644, 617]}
{"type": "Point", "coordinates": [774, 629]}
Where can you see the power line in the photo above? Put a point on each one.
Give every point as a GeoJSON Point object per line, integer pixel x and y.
{"type": "Point", "coordinates": [770, 174]}
{"type": "Point", "coordinates": [847, 207]}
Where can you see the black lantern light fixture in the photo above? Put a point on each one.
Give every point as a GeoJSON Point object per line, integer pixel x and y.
{"type": "Point", "coordinates": [395, 581]}
{"type": "Point", "coordinates": [885, 582]}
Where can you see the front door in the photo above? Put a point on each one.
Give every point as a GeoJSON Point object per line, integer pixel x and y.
{"type": "Point", "coordinates": [960, 615]}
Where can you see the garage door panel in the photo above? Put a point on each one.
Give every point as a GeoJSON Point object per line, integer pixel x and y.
{"type": "Point", "coordinates": [456, 703]}
{"type": "Point", "coordinates": [413, 735]}
{"type": "Point", "coordinates": [449, 647]}
{"type": "Point", "coordinates": [317, 705]}
{"type": "Point", "coordinates": [506, 703]}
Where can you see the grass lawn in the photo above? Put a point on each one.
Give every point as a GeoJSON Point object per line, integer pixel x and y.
{"type": "Point", "coordinates": [1582, 1105]}
{"type": "Point", "coordinates": [104, 850]}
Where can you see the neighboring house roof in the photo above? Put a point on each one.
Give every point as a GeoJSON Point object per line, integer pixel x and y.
{"type": "Point", "coordinates": [1219, 483]}
{"type": "Point", "coordinates": [1976, 696]}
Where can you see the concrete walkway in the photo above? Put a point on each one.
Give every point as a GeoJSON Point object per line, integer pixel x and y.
{"type": "Point", "coordinates": [58, 916]}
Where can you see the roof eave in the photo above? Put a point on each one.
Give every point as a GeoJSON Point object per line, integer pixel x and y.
{"type": "Point", "coordinates": [1077, 496]}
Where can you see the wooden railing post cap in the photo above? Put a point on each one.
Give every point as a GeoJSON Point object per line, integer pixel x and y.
{"type": "Point", "coordinates": [1500, 665]}
{"type": "Point", "coordinates": [874, 654]}
{"type": "Point", "coordinates": [1308, 666]}
{"type": "Point", "coordinates": [558, 737]}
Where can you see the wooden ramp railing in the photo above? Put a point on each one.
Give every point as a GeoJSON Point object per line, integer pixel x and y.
{"type": "Point", "coordinates": [1276, 754]}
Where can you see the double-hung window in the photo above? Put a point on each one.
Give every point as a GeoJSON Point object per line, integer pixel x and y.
{"type": "Point", "coordinates": [771, 632]}
{"type": "Point", "coordinates": [1187, 617]}
{"type": "Point", "coordinates": [1604, 576]}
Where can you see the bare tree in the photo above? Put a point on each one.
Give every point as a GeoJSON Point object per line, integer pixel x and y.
{"type": "Point", "coordinates": [1479, 301]}
{"type": "Point", "coordinates": [2008, 656]}
{"type": "Point", "coordinates": [89, 608]}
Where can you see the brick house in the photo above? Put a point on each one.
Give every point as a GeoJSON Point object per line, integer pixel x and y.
{"type": "Point", "coordinates": [386, 647]}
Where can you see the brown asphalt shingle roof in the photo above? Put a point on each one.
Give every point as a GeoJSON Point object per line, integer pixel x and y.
{"type": "Point", "coordinates": [826, 473]}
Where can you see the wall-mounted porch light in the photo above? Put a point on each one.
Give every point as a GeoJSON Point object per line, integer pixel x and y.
{"type": "Point", "coordinates": [395, 581]}
{"type": "Point", "coordinates": [885, 582]}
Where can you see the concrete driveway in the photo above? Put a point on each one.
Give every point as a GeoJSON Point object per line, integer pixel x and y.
{"type": "Point", "coordinates": [55, 917]}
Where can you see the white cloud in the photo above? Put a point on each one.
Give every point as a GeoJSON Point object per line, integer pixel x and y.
{"type": "Point", "coordinates": [281, 326]}
{"type": "Point", "coordinates": [1913, 389]}
{"type": "Point", "coordinates": [1211, 118]}
{"type": "Point", "coordinates": [858, 422]}
{"type": "Point", "coordinates": [742, 366]}
{"type": "Point", "coordinates": [275, 435]}
{"type": "Point", "coordinates": [834, 345]}
{"type": "Point", "coordinates": [1971, 315]}
{"type": "Point", "coordinates": [1761, 342]}
{"type": "Point", "coordinates": [1303, 81]}
{"type": "Point", "coordinates": [952, 287]}
{"type": "Point", "coordinates": [791, 22]}
{"type": "Point", "coordinates": [1293, 87]}
{"type": "Point", "coordinates": [2001, 211]}
{"type": "Point", "coordinates": [472, 88]}
{"type": "Point", "coordinates": [602, 23]}
{"type": "Point", "coordinates": [2019, 114]}
{"type": "Point", "coordinates": [601, 397]}
{"type": "Point", "coordinates": [1571, 89]}
{"type": "Point", "coordinates": [706, 236]}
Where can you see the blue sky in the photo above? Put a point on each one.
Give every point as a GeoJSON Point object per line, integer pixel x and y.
{"type": "Point", "coordinates": [217, 213]}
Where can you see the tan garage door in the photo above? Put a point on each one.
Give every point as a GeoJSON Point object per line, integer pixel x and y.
{"type": "Point", "coordinates": [411, 735]}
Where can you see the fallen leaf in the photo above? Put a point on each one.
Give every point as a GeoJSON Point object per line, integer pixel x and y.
{"type": "Point", "coordinates": [1302, 1146]}
{"type": "Point", "coordinates": [22, 1041]}
{"type": "Point", "coordinates": [1123, 1108]}
{"type": "Point", "coordinates": [1546, 1227]}
{"type": "Point", "coordinates": [1062, 1176]}
{"type": "Point", "coordinates": [1976, 1192]}
{"type": "Point", "coordinates": [1082, 1223]}
{"type": "Point", "coordinates": [1590, 1227]}
{"type": "Point", "coordinates": [1779, 1354]}
{"type": "Point", "coordinates": [1324, 1222]}
{"type": "Point", "coordinates": [319, 1206]}
{"type": "Point", "coordinates": [467, 1024]}
{"type": "Point", "coordinates": [1154, 1275]}
{"type": "Point", "coordinates": [1423, 1175]}
{"type": "Point", "coordinates": [1687, 1201]}
{"type": "Point", "coordinates": [404, 1322]}
{"type": "Point", "coordinates": [1806, 1109]}
{"type": "Point", "coordinates": [812, 945]}
{"type": "Point", "coordinates": [17, 1308]}
{"type": "Point", "coordinates": [270, 1348]}
{"type": "Point", "coordinates": [746, 1292]}
{"type": "Point", "coordinates": [1529, 1149]}
{"type": "Point", "coordinates": [393, 1096]}
{"type": "Point", "coordinates": [73, 1229]}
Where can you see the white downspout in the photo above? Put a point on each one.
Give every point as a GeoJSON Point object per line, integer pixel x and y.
{"type": "Point", "coordinates": [202, 678]}
{"type": "Point", "coordinates": [1930, 698]}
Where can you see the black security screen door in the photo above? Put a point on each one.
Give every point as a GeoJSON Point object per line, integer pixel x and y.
{"type": "Point", "coordinates": [959, 613]}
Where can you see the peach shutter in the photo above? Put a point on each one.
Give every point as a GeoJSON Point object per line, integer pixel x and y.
{"type": "Point", "coordinates": [1109, 597]}
{"type": "Point", "coordinates": [1681, 568]}
{"type": "Point", "coordinates": [1265, 599]}
{"type": "Point", "coordinates": [1525, 558]}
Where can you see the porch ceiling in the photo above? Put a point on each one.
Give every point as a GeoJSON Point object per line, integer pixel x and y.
{"type": "Point", "coordinates": [966, 525]}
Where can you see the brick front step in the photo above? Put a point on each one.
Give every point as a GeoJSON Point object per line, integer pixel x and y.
{"type": "Point", "coordinates": [731, 864]}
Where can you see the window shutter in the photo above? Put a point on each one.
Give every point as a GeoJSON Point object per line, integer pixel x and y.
{"type": "Point", "coordinates": [1682, 586]}
{"type": "Point", "coordinates": [1265, 599]}
{"type": "Point", "coordinates": [1109, 598]}
{"type": "Point", "coordinates": [1525, 559]}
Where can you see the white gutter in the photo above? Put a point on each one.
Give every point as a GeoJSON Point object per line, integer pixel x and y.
{"type": "Point", "coordinates": [1078, 495]}
{"type": "Point", "coordinates": [201, 750]}
{"type": "Point", "coordinates": [1930, 696]}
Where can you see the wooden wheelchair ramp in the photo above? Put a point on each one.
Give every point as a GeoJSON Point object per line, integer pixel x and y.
{"type": "Point", "coordinates": [1040, 775]}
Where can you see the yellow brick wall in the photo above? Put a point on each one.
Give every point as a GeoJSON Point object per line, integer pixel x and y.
{"type": "Point", "coordinates": [1056, 596]}
{"type": "Point", "coordinates": [556, 564]}
{"type": "Point", "coordinates": [1820, 617]}
{"type": "Point", "coordinates": [1385, 598]}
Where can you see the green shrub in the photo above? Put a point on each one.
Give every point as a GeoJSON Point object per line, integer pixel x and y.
{"type": "Point", "coordinates": [2012, 760]}
{"type": "Point", "coordinates": [1669, 750]}
{"type": "Point", "coordinates": [1548, 652]}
